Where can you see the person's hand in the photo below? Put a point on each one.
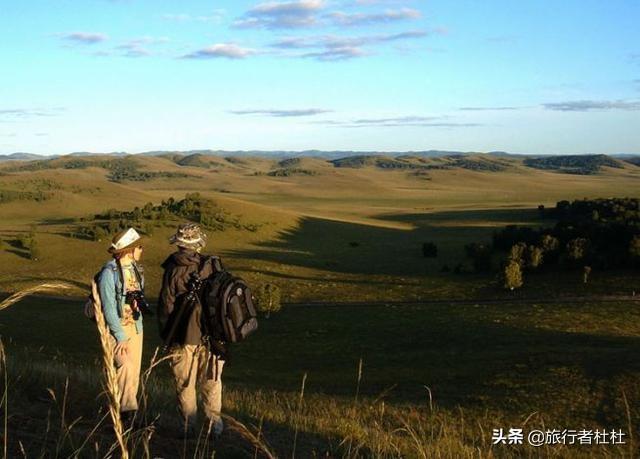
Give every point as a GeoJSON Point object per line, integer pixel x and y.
{"type": "Point", "coordinates": [122, 348]}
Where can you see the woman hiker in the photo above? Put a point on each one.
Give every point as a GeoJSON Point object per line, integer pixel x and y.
{"type": "Point", "coordinates": [120, 286]}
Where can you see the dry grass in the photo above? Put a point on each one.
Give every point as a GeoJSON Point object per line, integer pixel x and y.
{"type": "Point", "coordinates": [111, 381]}
{"type": "Point", "coordinates": [47, 287]}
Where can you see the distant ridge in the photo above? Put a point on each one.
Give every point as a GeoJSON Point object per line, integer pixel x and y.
{"type": "Point", "coordinates": [284, 154]}
{"type": "Point", "coordinates": [20, 156]}
{"type": "Point", "coordinates": [274, 154]}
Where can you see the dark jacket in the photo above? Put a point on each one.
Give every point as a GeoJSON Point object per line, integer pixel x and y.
{"type": "Point", "coordinates": [178, 268]}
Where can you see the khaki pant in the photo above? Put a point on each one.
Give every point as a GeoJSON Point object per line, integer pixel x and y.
{"type": "Point", "coordinates": [194, 364]}
{"type": "Point", "coordinates": [128, 369]}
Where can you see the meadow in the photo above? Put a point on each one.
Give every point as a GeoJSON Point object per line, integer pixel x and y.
{"type": "Point", "coordinates": [403, 358]}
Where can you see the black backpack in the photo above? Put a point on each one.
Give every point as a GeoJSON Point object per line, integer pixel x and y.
{"type": "Point", "coordinates": [228, 305]}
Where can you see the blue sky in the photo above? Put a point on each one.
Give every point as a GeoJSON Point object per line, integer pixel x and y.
{"type": "Point", "coordinates": [543, 77]}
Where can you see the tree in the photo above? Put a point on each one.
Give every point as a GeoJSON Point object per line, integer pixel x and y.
{"type": "Point", "coordinates": [268, 296]}
{"type": "Point", "coordinates": [534, 256]}
{"type": "Point", "coordinates": [34, 250]}
{"type": "Point", "coordinates": [147, 228]}
{"type": "Point", "coordinates": [577, 248]}
{"type": "Point", "coordinates": [512, 275]}
{"type": "Point", "coordinates": [99, 233]}
{"type": "Point", "coordinates": [517, 253]}
{"type": "Point", "coordinates": [549, 243]}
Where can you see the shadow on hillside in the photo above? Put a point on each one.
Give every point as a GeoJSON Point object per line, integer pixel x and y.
{"type": "Point", "coordinates": [465, 355]}
{"type": "Point", "coordinates": [463, 360]}
{"type": "Point", "coordinates": [365, 249]}
{"type": "Point", "coordinates": [473, 217]}
{"type": "Point", "coordinates": [276, 274]}
{"type": "Point", "coordinates": [48, 280]}
{"type": "Point", "coordinates": [57, 221]}
{"type": "Point", "coordinates": [16, 248]}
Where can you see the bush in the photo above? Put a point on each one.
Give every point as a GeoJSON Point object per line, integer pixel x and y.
{"type": "Point", "coordinates": [549, 243]}
{"type": "Point", "coordinates": [534, 256]}
{"type": "Point", "coordinates": [577, 248]}
{"type": "Point", "coordinates": [268, 297]}
{"type": "Point", "coordinates": [512, 275]}
{"type": "Point", "coordinates": [34, 250]}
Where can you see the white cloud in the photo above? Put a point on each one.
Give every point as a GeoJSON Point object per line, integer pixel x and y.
{"type": "Point", "coordinates": [282, 15]}
{"type": "Point", "coordinates": [225, 50]}
{"type": "Point", "coordinates": [282, 113]}
{"type": "Point", "coordinates": [588, 105]}
{"type": "Point", "coordinates": [363, 19]}
{"type": "Point", "coordinates": [84, 38]}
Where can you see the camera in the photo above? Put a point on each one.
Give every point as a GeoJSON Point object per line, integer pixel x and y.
{"type": "Point", "coordinates": [138, 304]}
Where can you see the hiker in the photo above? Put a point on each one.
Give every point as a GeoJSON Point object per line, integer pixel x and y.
{"type": "Point", "coordinates": [184, 329]}
{"type": "Point", "coordinates": [120, 287]}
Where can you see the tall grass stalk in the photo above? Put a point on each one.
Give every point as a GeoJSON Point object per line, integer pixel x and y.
{"type": "Point", "coordinates": [629, 425]}
{"type": "Point", "coordinates": [5, 399]}
{"type": "Point", "coordinates": [298, 416]}
{"type": "Point", "coordinates": [47, 287]}
{"type": "Point", "coordinates": [257, 441]}
{"type": "Point", "coordinates": [359, 379]}
{"type": "Point", "coordinates": [111, 381]}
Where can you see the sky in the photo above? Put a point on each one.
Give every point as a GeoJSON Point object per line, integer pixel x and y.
{"type": "Point", "coordinates": [527, 76]}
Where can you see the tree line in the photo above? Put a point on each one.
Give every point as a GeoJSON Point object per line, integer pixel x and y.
{"type": "Point", "coordinates": [193, 207]}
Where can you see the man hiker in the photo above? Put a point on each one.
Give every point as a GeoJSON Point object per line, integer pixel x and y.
{"type": "Point", "coordinates": [120, 287]}
{"type": "Point", "coordinates": [184, 328]}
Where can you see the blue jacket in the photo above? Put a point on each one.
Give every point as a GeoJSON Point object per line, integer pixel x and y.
{"type": "Point", "coordinates": [112, 296]}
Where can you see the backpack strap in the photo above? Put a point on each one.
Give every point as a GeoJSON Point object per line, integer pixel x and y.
{"type": "Point", "coordinates": [216, 265]}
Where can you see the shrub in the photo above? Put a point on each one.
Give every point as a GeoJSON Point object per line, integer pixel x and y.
{"type": "Point", "coordinates": [517, 253]}
{"type": "Point", "coordinates": [268, 296]}
{"type": "Point", "coordinates": [577, 248]}
{"type": "Point", "coordinates": [34, 250]}
{"type": "Point", "coordinates": [534, 256]}
{"type": "Point", "coordinates": [549, 243]}
{"type": "Point", "coordinates": [512, 275]}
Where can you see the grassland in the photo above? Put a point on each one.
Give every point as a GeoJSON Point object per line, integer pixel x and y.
{"type": "Point", "coordinates": [486, 367]}
{"type": "Point", "coordinates": [346, 234]}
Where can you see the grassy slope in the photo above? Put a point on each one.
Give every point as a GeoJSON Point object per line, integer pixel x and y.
{"type": "Point", "coordinates": [566, 362]}
{"type": "Point", "coordinates": [569, 364]}
{"type": "Point", "coordinates": [309, 221]}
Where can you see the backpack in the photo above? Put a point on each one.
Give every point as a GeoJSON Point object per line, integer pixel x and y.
{"type": "Point", "coordinates": [228, 305]}
{"type": "Point", "coordinates": [93, 300]}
